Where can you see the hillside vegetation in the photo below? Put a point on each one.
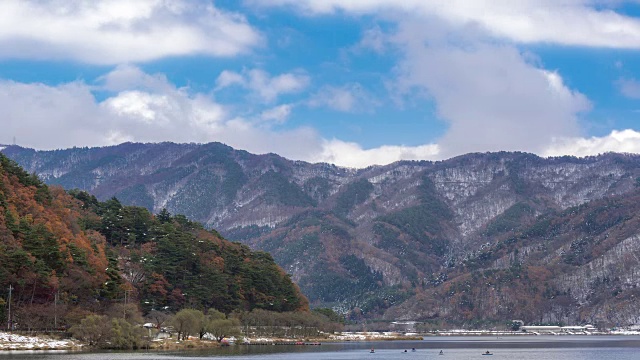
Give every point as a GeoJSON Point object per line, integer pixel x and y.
{"type": "Point", "coordinates": [67, 256]}
{"type": "Point", "coordinates": [474, 240]}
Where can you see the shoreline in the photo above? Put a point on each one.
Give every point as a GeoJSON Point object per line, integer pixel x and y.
{"type": "Point", "coordinates": [15, 342]}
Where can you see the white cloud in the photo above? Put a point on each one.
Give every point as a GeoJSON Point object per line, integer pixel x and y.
{"type": "Point", "coordinates": [129, 77]}
{"type": "Point", "coordinates": [624, 141]}
{"type": "Point", "coordinates": [348, 98]}
{"type": "Point", "coordinates": [353, 155]}
{"type": "Point", "coordinates": [568, 22]}
{"type": "Point", "coordinates": [278, 114]}
{"type": "Point", "coordinates": [489, 94]}
{"type": "Point", "coordinates": [154, 110]}
{"type": "Point", "coordinates": [629, 88]}
{"type": "Point", "coordinates": [229, 78]}
{"type": "Point", "coordinates": [69, 115]}
{"type": "Point", "coordinates": [50, 117]}
{"type": "Point", "coordinates": [138, 105]}
{"type": "Point", "coordinates": [492, 95]}
{"type": "Point", "coordinates": [265, 87]}
{"type": "Point", "coordinates": [372, 39]}
{"type": "Point", "coordinates": [119, 31]}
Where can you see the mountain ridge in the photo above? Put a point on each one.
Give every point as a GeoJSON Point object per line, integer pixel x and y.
{"type": "Point", "coordinates": [362, 240]}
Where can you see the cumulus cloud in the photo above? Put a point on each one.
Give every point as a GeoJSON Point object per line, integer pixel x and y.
{"type": "Point", "coordinates": [64, 116]}
{"type": "Point", "coordinates": [624, 141]}
{"type": "Point", "coordinates": [229, 78]}
{"type": "Point", "coordinates": [629, 88]}
{"type": "Point", "coordinates": [372, 39]}
{"type": "Point", "coordinates": [142, 108]}
{"type": "Point", "coordinates": [119, 31]}
{"type": "Point", "coordinates": [129, 77]}
{"type": "Point", "coordinates": [351, 154]}
{"type": "Point", "coordinates": [347, 98]}
{"type": "Point", "coordinates": [452, 53]}
{"type": "Point", "coordinates": [263, 86]}
{"type": "Point", "coordinates": [491, 96]}
{"type": "Point", "coordinates": [278, 114]}
{"type": "Point", "coordinates": [69, 115]}
{"type": "Point", "coordinates": [568, 22]}
{"type": "Point", "coordinates": [145, 107]}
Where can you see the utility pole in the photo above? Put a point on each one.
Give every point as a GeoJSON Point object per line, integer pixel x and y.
{"type": "Point", "coordinates": [55, 310]}
{"type": "Point", "coordinates": [124, 308]}
{"type": "Point", "coordinates": [9, 316]}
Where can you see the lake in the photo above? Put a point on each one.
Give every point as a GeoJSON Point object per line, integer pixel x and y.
{"type": "Point", "coordinates": [454, 347]}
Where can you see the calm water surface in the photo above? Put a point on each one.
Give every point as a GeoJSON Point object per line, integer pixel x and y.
{"type": "Point", "coordinates": [529, 347]}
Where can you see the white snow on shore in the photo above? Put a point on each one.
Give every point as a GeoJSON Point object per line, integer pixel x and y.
{"type": "Point", "coordinates": [625, 332]}
{"type": "Point", "coordinates": [10, 341]}
{"type": "Point", "coordinates": [345, 336]}
{"type": "Point", "coordinates": [360, 336]}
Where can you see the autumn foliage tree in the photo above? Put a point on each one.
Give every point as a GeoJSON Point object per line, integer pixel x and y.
{"type": "Point", "coordinates": [45, 255]}
{"type": "Point", "coordinates": [174, 262]}
{"type": "Point", "coordinates": [69, 256]}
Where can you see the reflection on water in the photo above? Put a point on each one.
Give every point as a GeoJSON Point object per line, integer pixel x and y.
{"type": "Point", "coordinates": [529, 347]}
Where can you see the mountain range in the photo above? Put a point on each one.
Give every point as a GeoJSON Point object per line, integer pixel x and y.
{"type": "Point", "coordinates": [478, 239]}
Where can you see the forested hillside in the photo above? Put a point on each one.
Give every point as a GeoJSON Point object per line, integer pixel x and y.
{"type": "Point", "coordinates": [43, 249]}
{"type": "Point", "coordinates": [580, 265]}
{"type": "Point", "coordinates": [476, 239]}
{"type": "Point", "coordinates": [67, 256]}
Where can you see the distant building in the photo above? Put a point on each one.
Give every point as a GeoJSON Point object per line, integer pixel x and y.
{"type": "Point", "coordinates": [404, 326]}
{"type": "Point", "coordinates": [540, 329]}
{"type": "Point", "coordinates": [558, 329]}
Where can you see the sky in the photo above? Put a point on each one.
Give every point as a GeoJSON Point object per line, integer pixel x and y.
{"type": "Point", "coordinates": [353, 83]}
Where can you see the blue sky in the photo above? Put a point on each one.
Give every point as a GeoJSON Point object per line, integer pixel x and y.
{"type": "Point", "coordinates": [354, 83]}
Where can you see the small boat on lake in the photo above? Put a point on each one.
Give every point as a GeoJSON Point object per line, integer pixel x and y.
{"type": "Point", "coordinates": [487, 353]}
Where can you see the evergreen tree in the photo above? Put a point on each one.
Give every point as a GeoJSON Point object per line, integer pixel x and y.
{"type": "Point", "coordinates": [164, 216]}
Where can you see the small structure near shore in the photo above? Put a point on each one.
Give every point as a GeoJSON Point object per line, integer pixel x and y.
{"type": "Point", "coordinates": [403, 326]}
{"type": "Point", "coordinates": [586, 329]}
